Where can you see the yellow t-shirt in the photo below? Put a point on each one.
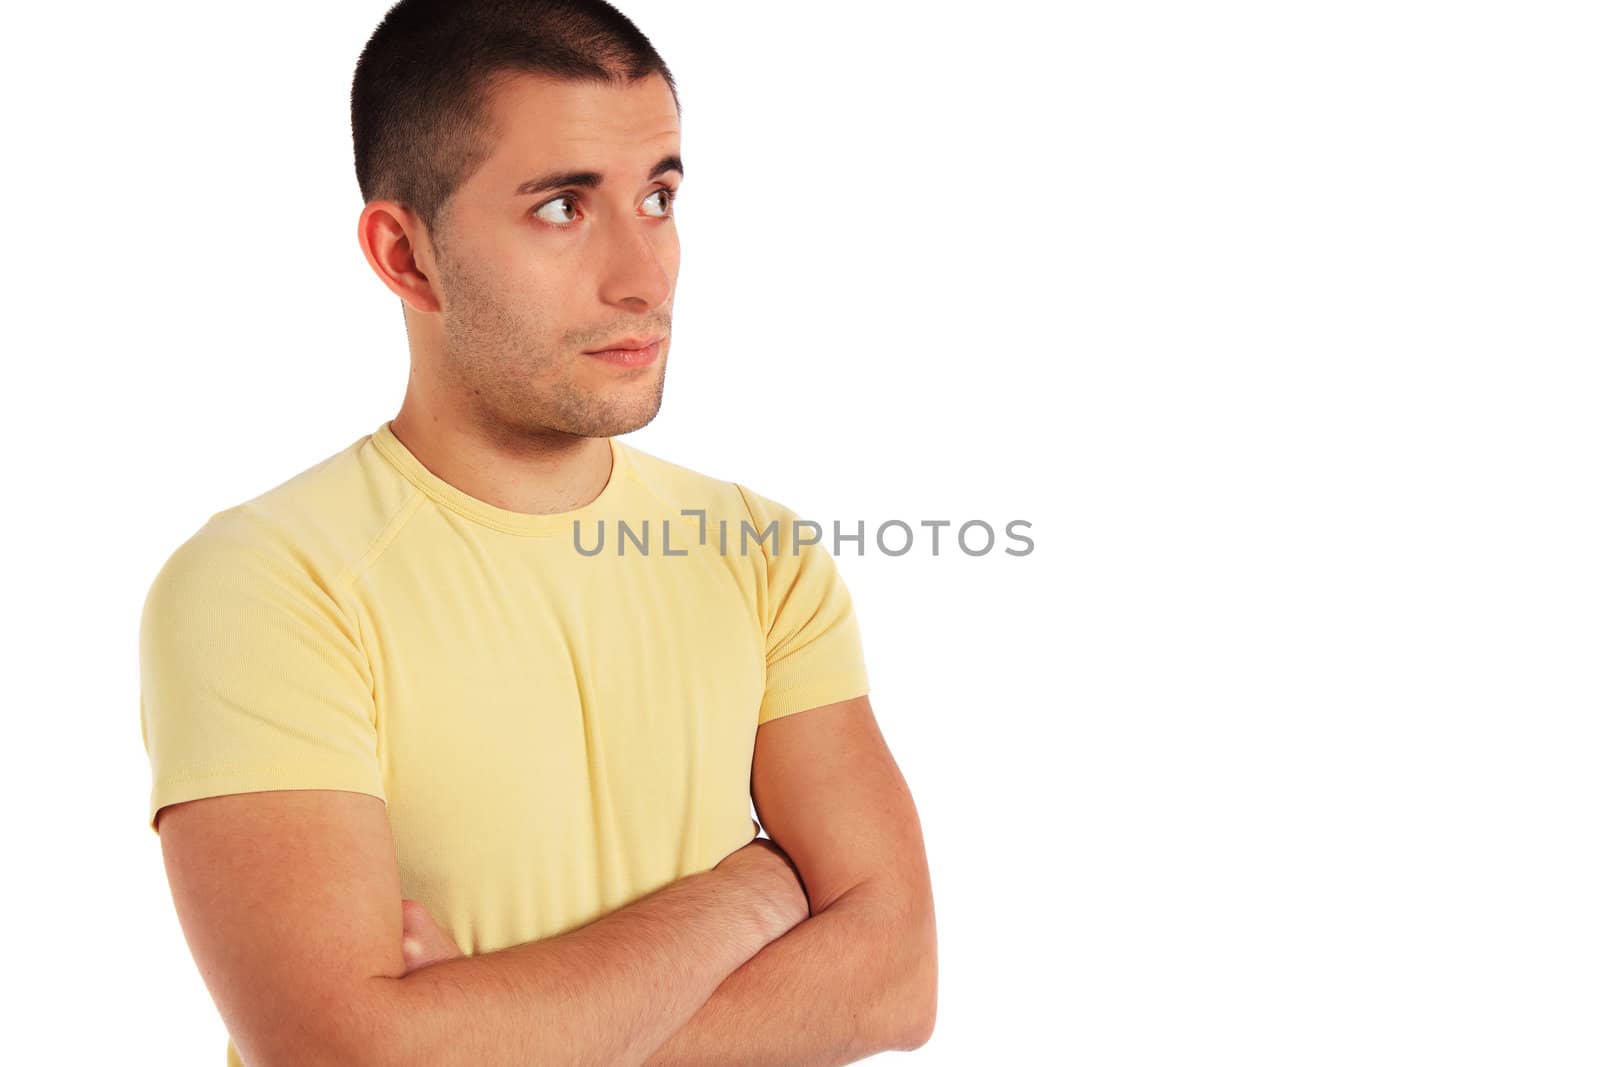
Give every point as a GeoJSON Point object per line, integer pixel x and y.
{"type": "Point", "coordinates": [556, 732]}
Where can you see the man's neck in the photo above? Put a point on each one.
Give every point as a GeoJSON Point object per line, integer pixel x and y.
{"type": "Point", "coordinates": [543, 475]}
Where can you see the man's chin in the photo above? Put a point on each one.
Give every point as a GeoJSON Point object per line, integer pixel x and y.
{"type": "Point", "coordinates": [636, 422]}
{"type": "Point", "coordinates": [614, 418]}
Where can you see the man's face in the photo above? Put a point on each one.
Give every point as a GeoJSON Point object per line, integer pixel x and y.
{"type": "Point", "coordinates": [530, 281]}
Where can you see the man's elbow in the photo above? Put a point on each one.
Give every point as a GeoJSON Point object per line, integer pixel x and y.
{"type": "Point", "coordinates": [915, 1013]}
{"type": "Point", "coordinates": [898, 947]}
{"type": "Point", "coordinates": [914, 998]}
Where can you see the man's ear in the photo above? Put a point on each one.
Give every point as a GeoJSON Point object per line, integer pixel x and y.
{"type": "Point", "coordinates": [400, 252]}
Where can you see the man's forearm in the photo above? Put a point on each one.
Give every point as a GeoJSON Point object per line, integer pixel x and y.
{"type": "Point", "coordinates": [856, 979]}
{"type": "Point", "coordinates": [606, 993]}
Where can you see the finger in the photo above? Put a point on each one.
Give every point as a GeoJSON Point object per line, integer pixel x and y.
{"type": "Point", "coordinates": [417, 954]}
{"type": "Point", "coordinates": [423, 941]}
{"type": "Point", "coordinates": [417, 923]}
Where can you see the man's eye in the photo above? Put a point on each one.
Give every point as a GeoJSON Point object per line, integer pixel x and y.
{"type": "Point", "coordinates": [669, 194]}
{"type": "Point", "coordinates": [558, 200]}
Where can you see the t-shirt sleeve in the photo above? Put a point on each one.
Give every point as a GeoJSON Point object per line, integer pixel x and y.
{"type": "Point", "coordinates": [814, 651]}
{"type": "Point", "coordinates": [252, 675]}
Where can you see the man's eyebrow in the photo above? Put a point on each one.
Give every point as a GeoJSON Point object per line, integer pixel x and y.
{"type": "Point", "coordinates": [588, 179]}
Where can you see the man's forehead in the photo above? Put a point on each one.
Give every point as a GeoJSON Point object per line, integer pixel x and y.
{"type": "Point", "coordinates": [554, 111]}
{"type": "Point", "coordinates": [549, 132]}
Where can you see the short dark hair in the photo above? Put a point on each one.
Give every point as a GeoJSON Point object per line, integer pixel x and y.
{"type": "Point", "coordinates": [418, 102]}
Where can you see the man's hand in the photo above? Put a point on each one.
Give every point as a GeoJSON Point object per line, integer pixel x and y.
{"type": "Point", "coordinates": [422, 941]}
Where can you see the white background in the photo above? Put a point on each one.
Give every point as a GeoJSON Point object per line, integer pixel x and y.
{"type": "Point", "coordinates": [1277, 322]}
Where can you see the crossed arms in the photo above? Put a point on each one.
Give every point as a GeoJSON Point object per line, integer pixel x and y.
{"type": "Point", "coordinates": [290, 902]}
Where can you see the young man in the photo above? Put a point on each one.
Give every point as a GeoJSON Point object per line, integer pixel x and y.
{"type": "Point", "coordinates": [435, 781]}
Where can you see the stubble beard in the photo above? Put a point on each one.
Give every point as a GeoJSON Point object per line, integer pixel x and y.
{"type": "Point", "coordinates": [515, 382]}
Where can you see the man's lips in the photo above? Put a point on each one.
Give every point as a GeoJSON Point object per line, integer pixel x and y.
{"type": "Point", "coordinates": [629, 357]}
{"type": "Point", "coordinates": [625, 344]}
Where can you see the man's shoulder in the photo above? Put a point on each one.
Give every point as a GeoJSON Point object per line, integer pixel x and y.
{"type": "Point", "coordinates": [321, 520]}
